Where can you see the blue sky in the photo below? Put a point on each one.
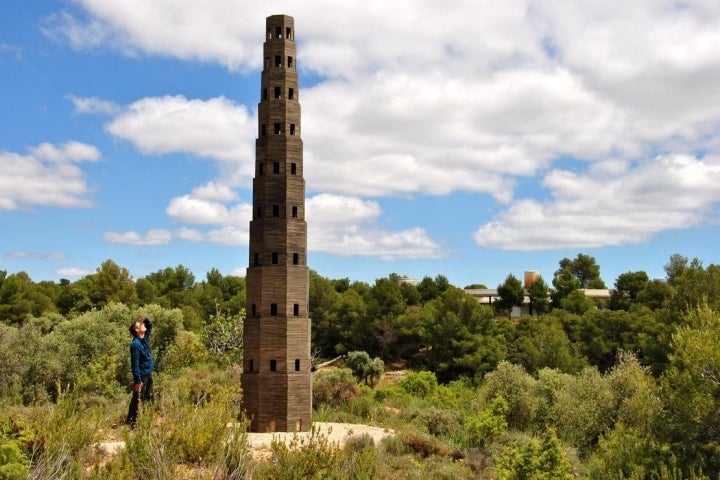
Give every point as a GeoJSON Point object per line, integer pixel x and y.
{"type": "Point", "coordinates": [463, 138]}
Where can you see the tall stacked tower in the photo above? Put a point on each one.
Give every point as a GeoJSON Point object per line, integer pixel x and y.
{"type": "Point", "coordinates": [276, 379]}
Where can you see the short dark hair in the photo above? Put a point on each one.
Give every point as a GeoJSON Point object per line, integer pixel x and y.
{"type": "Point", "coordinates": [132, 328]}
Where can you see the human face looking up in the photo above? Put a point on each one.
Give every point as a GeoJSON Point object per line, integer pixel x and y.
{"type": "Point", "coordinates": [140, 329]}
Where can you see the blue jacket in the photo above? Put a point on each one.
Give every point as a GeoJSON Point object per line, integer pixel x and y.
{"type": "Point", "coordinates": [141, 359]}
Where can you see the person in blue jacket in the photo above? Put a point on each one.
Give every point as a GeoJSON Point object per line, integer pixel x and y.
{"type": "Point", "coordinates": [142, 364]}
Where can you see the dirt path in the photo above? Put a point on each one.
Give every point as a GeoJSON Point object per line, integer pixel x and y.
{"type": "Point", "coordinates": [335, 432]}
{"type": "Point", "coordinates": [338, 433]}
{"type": "Point", "coordinates": [259, 443]}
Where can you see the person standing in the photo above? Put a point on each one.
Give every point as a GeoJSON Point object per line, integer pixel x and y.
{"type": "Point", "coordinates": [142, 365]}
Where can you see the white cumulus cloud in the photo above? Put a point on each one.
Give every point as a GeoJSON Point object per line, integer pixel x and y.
{"type": "Point", "coordinates": [575, 99]}
{"type": "Point", "coordinates": [48, 176]}
{"type": "Point", "coordinates": [152, 237]}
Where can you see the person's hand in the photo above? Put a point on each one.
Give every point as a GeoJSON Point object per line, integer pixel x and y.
{"type": "Point", "coordinates": [144, 317]}
{"type": "Point", "coordinates": [137, 387]}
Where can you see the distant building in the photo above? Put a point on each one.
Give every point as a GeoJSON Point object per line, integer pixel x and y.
{"type": "Point", "coordinates": [488, 296]}
{"type": "Point", "coordinates": [408, 280]}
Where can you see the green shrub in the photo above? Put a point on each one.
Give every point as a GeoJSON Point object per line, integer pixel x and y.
{"type": "Point", "coordinates": [194, 422]}
{"type": "Point", "coordinates": [363, 407]}
{"type": "Point", "coordinates": [534, 460]}
{"type": "Point", "coordinates": [437, 421]}
{"type": "Point", "coordinates": [311, 457]}
{"type": "Point", "coordinates": [359, 459]}
{"type": "Point", "coordinates": [14, 464]}
{"type": "Point", "coordinates": [516, 386]}
{"type": "Point", "coordinates": [419, 384]}
{"type": "Point", "coordinates": [422, 444]}
{"type": "Point", "coordinates": [334, 387]}
{"type": "Point", "coordinates": [487, 425]}
{"type": "Point", "coordinates": [584, 408]}
{"type": "Point", "coordinates": [187, 350]}
{"type": "Point", "coordinates": [198, 385]}
{"type": "Point", "coordinates": [626, 452]}
{"type": "Point", "coordinates": [64, 435]}
{"type": "Point", "coordinates": [223, 337]}
{"type": "Point", "coordinates": [393, 394]}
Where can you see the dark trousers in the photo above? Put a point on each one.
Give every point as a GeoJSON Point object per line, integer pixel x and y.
{"type": "Point", "coordinates": [144, 395]}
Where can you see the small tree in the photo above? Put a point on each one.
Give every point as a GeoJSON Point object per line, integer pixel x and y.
{"type": "Point", "coordinates": [365, 369]}
{"type": "Point", "coordinates": [577, 302]}
{"type": "Point", "coordinates": [538, 293]}
{"type": "Point", "coordinates": [627, 289]}
{"type": "Point", "coordinates": [535, 460]}
{"type": "Point", "coordinates": [511, 294]}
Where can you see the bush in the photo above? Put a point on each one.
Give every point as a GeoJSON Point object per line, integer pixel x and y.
{"type": "Point", "coordinates": [312, 458]}
{"type": "Point", "coordinates": [421, 444]}
{"type": "Point", "coordinates": [13, 462]}
{"type": "Point", "coordinates": [584, 408]}
{"type": "Point", "coordinates": [194, 421]}
{"type": "Point", "coordinates": [64, 438]}
{"type": "Point", "coordinates": [359, 459]}
{"type": "Point", "coordinates": [186, 351]}
{"type": "Point", "coordinates": [438, 422]}
{"type": "Point", "coordinates": [487, 425]}
{"type": "Point", "coordinates": [334, 387]}
{"type": "Point", "coordinates": [419, 384]}
{"type": "Point", "coordinates": [626, 452]}
{"type": "Point", "coordinates": [512, 383]}
{"type": "Point", "coordinates": [534, 459]}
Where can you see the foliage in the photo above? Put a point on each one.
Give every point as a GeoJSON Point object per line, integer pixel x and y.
{"type": "Point", "coordinates": [636, 394]}
{"type": "Point", "coordinates": [312, 458]}
{"type": "Point", "coordinates": [363, 368]}
{"type": "Point", "coordinates": [20, 298]}
{"type": "Point", "coordinates": [333, 387]}
{"type": "Point", "coordinates": [488, 424]}
{"type": "Point", "coordinates": [692, 392]}
{"type": "Point", "coordinates": [515, 386]}
{"type": "Point", "coordinates": [454, 327]}
{"type": "Point", "coordinates": [584, 269]}
{"type": "Point", "coordinates": [419, 384]}
{"type": "Point", "coordinates": [187, 351]}
{"type": "Point", "coordinates": [584, 408]}
{"type": "Point", "coordinates": [110, 283]}
{"type": "Point", "coordinates": [543, 343]}
{"type": "Point", "coordinates": [438, 422]}
{"type": "Point", "coordinates": [633, 390]}
{"type": "Point", "coordinates": [417, 443]}
{"type": "Point", "coordinates": [194, 422]}
{"type": "Point", "coordinates": [223, 337]}
{"type": "Point", "coordinates": [62, 438]}
{"type": "Point", "coordinates": [538, 293]}
{"type": "Point", "coordinates": [13, 462]}
{"type": "Point", "coordinates": [628, 287]}
{"type": "Point", "coordinates": [11, 360]}
{"type": "Point", "coordinates": [359, 459]}
{"type": "Point", "coordinates": [511, 295]}
{"type": "Point", "coordinates": [535, 460]}
{"type": "Point", "coordinates": [577, 302]}
{"type": "Point", "coordinates": [627, 452]}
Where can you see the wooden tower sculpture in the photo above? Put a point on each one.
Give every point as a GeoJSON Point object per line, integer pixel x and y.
{"type": "Point", "coordinates": [276, 379]}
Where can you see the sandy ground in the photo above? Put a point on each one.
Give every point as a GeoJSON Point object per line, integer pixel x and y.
{"type": "Point", "coordinates": [259, 443]}
{"type": "Point", "coordinates": [335, 433]}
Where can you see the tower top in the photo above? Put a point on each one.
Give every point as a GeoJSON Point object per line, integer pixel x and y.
{"type": "Point", "coordinates": [280, 27]}
{"type": "Point", "coordinates": [279, 16]}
